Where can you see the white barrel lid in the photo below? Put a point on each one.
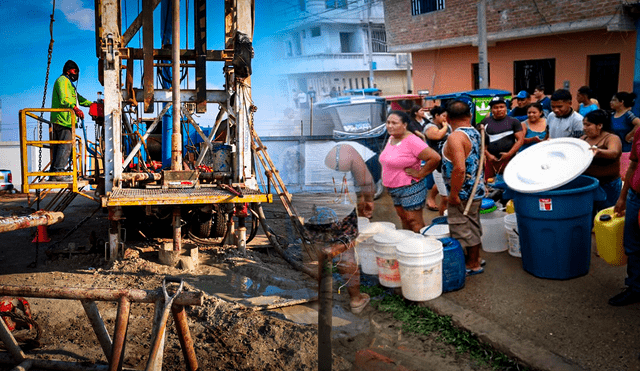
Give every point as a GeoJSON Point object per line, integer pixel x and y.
{"type": "Point", "coordinates": [419, 246]}
{"type": "Point", "coordinates": [435, 230]}
{"type": "Point", "coordinates": [388, 236]}
{"type": "Point", "coordinates": [407, 233]}
{"type": "Point", "coordinates": [548, 165]}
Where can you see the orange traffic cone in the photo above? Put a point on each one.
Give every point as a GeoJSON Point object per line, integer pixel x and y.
{"type": "Point", "coordinates": [42, 235]}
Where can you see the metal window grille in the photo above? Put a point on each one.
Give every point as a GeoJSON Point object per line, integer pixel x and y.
{"type": "Point", "coordinates": [336, 4]}
{"type": "Point", "coordinates": [426, 6]}
{"type": "Point", "coordinates": [379, 40]}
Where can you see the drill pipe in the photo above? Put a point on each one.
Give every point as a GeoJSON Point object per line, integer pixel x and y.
{"type": "Point", "coordinates": [41, 217]}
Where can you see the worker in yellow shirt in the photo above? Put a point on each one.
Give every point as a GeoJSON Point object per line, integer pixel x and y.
{"type": "Point", "coordinates": [65, 96]}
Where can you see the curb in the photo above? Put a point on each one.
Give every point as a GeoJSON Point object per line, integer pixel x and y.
{"type": "Point", "coordinates": [525, 351]}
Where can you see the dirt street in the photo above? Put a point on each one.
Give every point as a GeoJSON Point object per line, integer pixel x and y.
{"type": "Point", "coordinates": [229, 334]}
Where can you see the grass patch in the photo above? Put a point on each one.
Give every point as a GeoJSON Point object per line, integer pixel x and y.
{"type": "Point", "coordinates": [420, 320]}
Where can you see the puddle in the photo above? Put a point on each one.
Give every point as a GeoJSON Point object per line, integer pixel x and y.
{"type": "Point", "coordinates": [248, 291]}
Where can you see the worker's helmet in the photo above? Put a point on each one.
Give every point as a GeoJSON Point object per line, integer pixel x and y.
{"type": "Point", "coordinates": [71, 65]}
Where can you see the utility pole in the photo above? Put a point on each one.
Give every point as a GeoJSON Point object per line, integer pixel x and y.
{"type": "Point", "coordinates": [371, 81]}
{"type": "Point", "coordinates": [483, 67]}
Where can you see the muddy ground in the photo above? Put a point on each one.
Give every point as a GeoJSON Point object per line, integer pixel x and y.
{"type": "Point", "coordinates": [228, 334]}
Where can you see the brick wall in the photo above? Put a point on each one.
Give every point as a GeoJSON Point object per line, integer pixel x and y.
{"type": "Point", "coordinates": [459, 18]}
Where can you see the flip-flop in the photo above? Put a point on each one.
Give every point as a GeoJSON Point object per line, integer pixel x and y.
{"type": "Point", "coordinates": [473, 272]}
{"type": "Point", "coordinates": [360, 307]}
{"type": "Point", "coordinates": [482, 262]}
{"type": "Point", "coordinates": [432, 208]}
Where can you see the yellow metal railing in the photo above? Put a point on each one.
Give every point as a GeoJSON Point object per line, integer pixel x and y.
{"type": "Point", "coordinates": [77, 163]}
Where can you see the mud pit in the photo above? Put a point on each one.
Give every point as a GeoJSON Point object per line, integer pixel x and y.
{"type": "Point", "coordinates": [228, 332]}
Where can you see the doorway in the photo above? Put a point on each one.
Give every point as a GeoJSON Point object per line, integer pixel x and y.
{"type": "Point", "coordinates": [604, 70]}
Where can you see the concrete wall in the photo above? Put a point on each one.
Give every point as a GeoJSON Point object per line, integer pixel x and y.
{"type": "Point", "coordinates": [450, 70]}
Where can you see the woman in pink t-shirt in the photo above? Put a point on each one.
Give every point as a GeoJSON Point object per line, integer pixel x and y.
{"type": "Point", "coordinates": [402, 171]}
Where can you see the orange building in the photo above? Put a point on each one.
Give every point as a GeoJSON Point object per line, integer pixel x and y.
{"type": "Point", "coordinates": [559, 44]}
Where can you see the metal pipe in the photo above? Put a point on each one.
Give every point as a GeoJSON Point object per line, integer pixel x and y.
{"type": "Point", "coordinates": [156, 365]}
{"type": "Point", "coordinates": [10, 343]}
{"type": "Point", "coordinates": [141, 177]}
{"type": "Point", "coordinates": [242, 235]}
{"type": "Point", "coordinates": [98, 294]}
{"type": "Point", "coordinates": [38, 218]}
{"type": "Point", "coordinates": [177, 229]}
{"type": "Point", "coordinates": [50, 364]}
{"type": "Point", "coordinates": [184, 335]}
{"type": "Point", "coordinates": [325, 312]}
{"type": "Point", "coordinates": [120, 334]}
{"type": "Point", "coordinates": [176, 136]}
{"type": "Point", "coordinates": [91, 309]}
{"type": "Point", "coordinates": [24, 366]}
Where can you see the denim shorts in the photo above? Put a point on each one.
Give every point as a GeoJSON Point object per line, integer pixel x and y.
{"type": "Point", "coordinates": [411, 197]}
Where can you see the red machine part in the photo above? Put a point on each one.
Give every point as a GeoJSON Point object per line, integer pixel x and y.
{"type": "Point", "coordinates": [242, 210]}
{"type": "Point", "coordinates": [96, 110]}
{"type": "Point", "coordinates": [18, 306]}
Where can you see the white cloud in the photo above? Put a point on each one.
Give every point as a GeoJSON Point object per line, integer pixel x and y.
{"type": "Point", "coordinates": [77, 14]}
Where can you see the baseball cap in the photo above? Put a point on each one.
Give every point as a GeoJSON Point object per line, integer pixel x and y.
{"type": "Point", "coordinates": [522, 95]}
{"type": "Point", "coordinates": [496, 100]}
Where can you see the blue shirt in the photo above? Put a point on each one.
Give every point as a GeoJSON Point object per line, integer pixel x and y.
{"type": "Point", "coordinates": [471, 167]}
{"type": "Point", "coordinates": [583, 110]}
{"type": "Point", "coordinates": [622, 126]}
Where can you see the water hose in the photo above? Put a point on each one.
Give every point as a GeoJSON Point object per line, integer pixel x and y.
{"type": "Point", "coordinates": [479, 173]}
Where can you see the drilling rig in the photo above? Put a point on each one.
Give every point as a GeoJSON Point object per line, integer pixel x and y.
{"type": "Point", "coordinates": [145, 166]}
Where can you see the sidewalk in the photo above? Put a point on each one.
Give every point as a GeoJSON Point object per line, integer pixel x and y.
{"type": "Point", "coordinates": [546, 324]}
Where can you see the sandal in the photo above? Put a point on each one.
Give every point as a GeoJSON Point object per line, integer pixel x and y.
{"type": "Point", "coordinates": [433, 208]}
{"type": "Point", "coordinates": [473, 272]}
{"type": "Point", "coordinates": [360, 307]}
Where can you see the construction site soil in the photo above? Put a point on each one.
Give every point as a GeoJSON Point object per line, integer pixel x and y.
{"type": "Point", "coordinates": [227, 334]}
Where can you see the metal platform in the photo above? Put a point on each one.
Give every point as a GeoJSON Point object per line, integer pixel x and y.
{"type": "Point", "coordinates": [180, 196]}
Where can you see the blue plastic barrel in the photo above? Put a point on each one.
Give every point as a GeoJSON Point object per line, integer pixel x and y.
{"type": "Point", "coordinates": [555, 229]}
{"type": "Point", "coordinates": [453, 268]}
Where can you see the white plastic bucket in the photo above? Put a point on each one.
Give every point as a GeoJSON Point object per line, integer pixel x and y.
{"type": "Point", "coordinates": [493, 237]}
{"type": "Point", "coordinates": [511, 225]}
{"type": "Point", "coordinates": [367, 257]}
{"type": "Point", "coordinates": [407, 233]}
{"type": "Point", "coordinates": [435, 231]}
{"type": "Point", "coordinates": [420, 265]}
{"type": "Point", "coordinates": [372, 228]}
{"type": "Point", "coordinates": [384, 245]}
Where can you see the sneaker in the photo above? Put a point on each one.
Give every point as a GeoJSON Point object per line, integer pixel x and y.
{"type": "Point", "coordinates": [625, 298]}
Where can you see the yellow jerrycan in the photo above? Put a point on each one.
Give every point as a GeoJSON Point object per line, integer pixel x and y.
{"type": "Point", "coordinates": [609, 231]}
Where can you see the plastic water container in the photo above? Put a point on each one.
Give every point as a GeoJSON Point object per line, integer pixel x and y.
{"type": "Point", "coordinates": [367, 257]}
{"type": "Point", "coordinates": [609, 231]}
{"type": "Point", "coordinates": [453, 269]}
{"type": "Point", "coordinates": [407, 233]}
{"type": "Point", "coordinates": [555, 229]}
{"type": "Point", "coordinates": [385, 249]}
{"type": "Point", "coordinates": [420, 264]}
{"type": "Point", "coordinates": [513, 237]}
{"type": "Point", "coordinates": [363, 223]}
{"type": "Point", "coordinates": [436, 231]}
{"type": "Point", "coordinates": [370, 229]}
{"type": "Point", "coordinates": [493, 237]}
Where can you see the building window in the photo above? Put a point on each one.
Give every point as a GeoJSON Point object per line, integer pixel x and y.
{"type": "Point", "coordinates": [476, 75]}
{"type": "Point", "coordinates": [304, 34]}
{"type": "Point", "coordinates": [378, 40]}
{"type": "Point", "coordinates": [529, 74]}
{"type": "Point", "coordinates": [289, 49]}
{"type": "Point", "coordinates": [315, 31]}
{"type": "Point", "coordinates": [303, 5]}
{"type": "Point", "coordinates": [426, 6]}
{"type": "Point", "coordinates": [336, 4]}
{"type": "Point", "coordinates": [347, 42]}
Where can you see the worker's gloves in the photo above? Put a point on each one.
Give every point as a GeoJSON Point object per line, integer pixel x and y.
{"type": "Point", "coordinates": [78, 112]}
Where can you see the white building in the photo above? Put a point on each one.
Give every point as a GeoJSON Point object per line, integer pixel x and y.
{"type": "Point", "coordinates": [325, 44]}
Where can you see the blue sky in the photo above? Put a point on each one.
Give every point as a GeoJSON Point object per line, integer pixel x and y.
{"type": "Point", "coordinates": [24, 40]}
